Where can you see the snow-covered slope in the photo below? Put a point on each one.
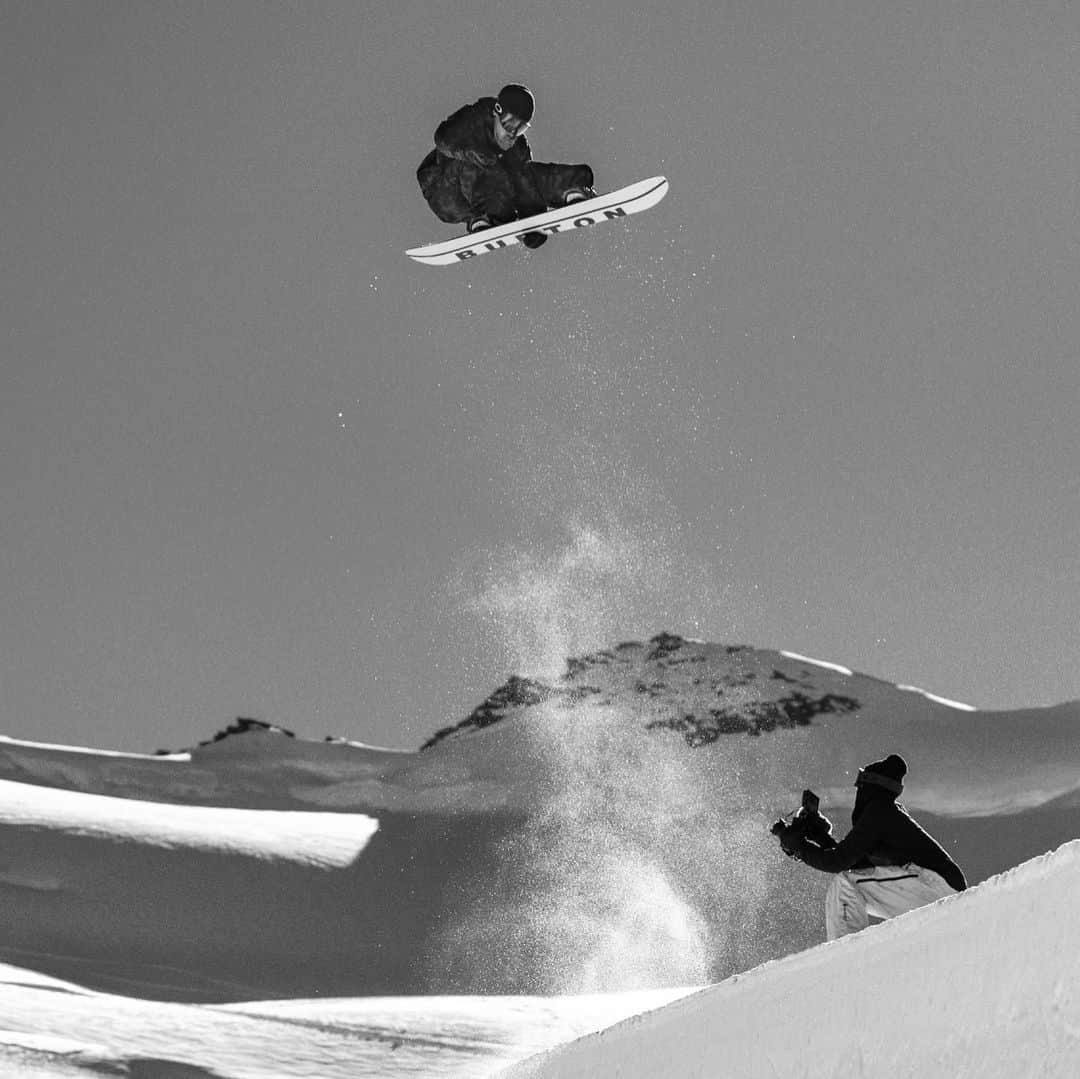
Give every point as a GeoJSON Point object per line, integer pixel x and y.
{"type": "Point", "coordinates": [55, 1028]}
{"type": "Point", "coordinates": [607, 831]}
{"type": "Point", "coordinates": [983, 984]}
{"type": "Point", "coordinates": [602, 833]}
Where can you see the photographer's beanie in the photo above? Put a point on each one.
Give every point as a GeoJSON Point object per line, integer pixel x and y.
{"type": "Point", "coordinates": [888, 773]}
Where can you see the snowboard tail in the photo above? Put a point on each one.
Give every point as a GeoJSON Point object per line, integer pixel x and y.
{"type": "Point", "coordinates": [610, 207]}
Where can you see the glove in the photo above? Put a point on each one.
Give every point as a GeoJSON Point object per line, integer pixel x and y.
{"type": "Point", "coordinates": [817, 827]}
{"type": "Point", "coordinates": [791, 840]}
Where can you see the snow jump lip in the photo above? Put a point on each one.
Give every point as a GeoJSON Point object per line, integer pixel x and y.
{"type": "Point", "coordinates": [608, 207]}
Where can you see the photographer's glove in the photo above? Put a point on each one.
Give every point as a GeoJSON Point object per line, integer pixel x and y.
{"type": "Point", "coordinates": [791, 840]}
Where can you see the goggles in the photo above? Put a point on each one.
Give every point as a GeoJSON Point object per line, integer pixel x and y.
{"type": "Point", "coordinates": [510, 123]}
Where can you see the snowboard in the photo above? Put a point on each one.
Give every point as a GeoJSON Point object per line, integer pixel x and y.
{"type": "Point", "coordinates": [610, 207]}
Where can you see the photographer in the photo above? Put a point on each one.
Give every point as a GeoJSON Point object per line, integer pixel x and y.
{"type": "Point", "coordinates": [886, 865]}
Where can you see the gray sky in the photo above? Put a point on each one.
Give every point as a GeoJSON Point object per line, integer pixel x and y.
{"type": "Point", "coordinates": [254, 461]}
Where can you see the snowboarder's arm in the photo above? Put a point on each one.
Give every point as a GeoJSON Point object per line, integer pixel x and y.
{"type": "Point", "coordinates": [464, 138]}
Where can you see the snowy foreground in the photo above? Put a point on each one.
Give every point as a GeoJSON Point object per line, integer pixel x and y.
{"type": "Point", "coordinates": [575, 852]}
{"type": "Point", "coordinates": [59, 883]}
{"type": "Point", "coordinates": [984, 984]}
{"type": "Point", "coordinates": [52, 1028]}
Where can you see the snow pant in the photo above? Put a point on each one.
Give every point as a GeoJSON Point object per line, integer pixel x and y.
{"type": "Point", "coordinates": [459, 191]}
{"type": "Point", "coordinates": [882, 891]}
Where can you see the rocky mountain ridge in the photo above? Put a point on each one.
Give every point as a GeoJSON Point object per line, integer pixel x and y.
{"type": "Point", "coordinates": [746, 691]}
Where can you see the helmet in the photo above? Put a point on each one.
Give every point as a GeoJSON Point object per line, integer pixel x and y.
{"type": "Point", "coordinates": [517, 100]}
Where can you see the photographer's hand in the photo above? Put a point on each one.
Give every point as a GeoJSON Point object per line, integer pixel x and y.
{"type": "Point", "coordinates": [791, 840]}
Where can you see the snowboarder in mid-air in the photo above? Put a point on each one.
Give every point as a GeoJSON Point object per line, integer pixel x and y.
{"type": "Point", "coordinates": [481, 171]}
{"type": "Point", "coordinates": [886, 865]}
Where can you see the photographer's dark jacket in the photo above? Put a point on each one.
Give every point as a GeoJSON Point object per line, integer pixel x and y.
{"type": "Point", "coordinates": [882, 833]}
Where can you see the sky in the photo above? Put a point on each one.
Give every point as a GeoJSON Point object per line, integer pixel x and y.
{"type": "Point", "coordinates": [254, 461]}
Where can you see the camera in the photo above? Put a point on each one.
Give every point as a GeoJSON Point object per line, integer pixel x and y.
{"type": "Point", "coordinates": [807, 821]}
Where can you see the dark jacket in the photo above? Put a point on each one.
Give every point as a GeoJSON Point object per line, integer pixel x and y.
{"type": "Point", "coordinates": [467, 172]}
{"type": "Point", "coordinates": [882, 833]}
{"type": "Point", "coordinates": [469, 136]}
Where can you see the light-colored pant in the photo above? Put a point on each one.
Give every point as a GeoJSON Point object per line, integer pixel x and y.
{"type": "Point", "coordinates": [882, 891]}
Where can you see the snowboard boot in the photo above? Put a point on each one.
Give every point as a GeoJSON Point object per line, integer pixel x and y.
{"type": "Point", "coordinates": [578, 194]}
{"type": "Point", "coordinates": [478, 224]}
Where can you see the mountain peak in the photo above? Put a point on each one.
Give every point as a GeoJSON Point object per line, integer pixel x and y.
{"type": "Point", "coordinates": [699, 690]}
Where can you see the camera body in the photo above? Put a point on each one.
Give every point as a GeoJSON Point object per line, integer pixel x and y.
{"type": "Point", "coordinates": [807, 821]}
